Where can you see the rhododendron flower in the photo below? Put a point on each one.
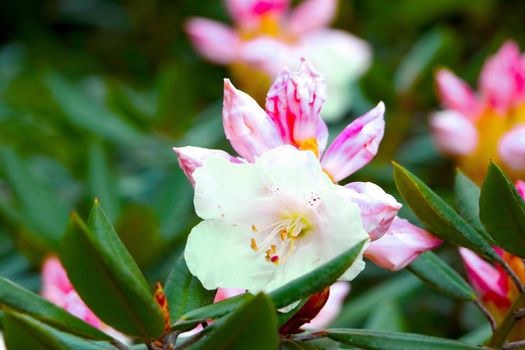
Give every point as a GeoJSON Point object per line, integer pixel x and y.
{"type": "Point", "coordinates": [493, 284]}
{"type": "Point", "coordinates": [268, 36]}
{"type": "Point", "coordinates": [269, 222]}
{"type": "Point", "coordinates": [475, 128]}
{"type": "Point", "coordinates": [57, 288]}
{"type": "Point", "coordinates": [292, 117]}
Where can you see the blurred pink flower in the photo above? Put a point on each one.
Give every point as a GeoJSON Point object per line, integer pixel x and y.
{"type": "Point", "coordinates": [268, 35]}
{"type": "Point", "coordinates": [489, 125]}
{"type": "Point", "coordinates": [292, 116]}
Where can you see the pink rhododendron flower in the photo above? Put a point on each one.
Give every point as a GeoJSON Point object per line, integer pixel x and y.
{"type": "Point", "coordinates": [268, 35]}
{"type": "Point", "coordinates": [490, 124]}
{"type": "Point", "coordinates": [292, 117]}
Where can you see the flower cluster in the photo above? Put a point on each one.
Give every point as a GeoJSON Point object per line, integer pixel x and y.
{"type": "Point", "coordinates": [491, 125]}
{"type": "Point", "coordinates": [268, 36]}
{"type": "Point", "coordinates": [276, 211]}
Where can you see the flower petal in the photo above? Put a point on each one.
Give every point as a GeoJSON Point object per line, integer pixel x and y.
{"type": "Point", "coordinates": [294, 103]}
{"type": "Point", "coordinates": [191, 158]}
{"type": "Point", "coordinates": [401, 245]}
{"type": "Point", "coordinates": [378, 209]}
{"type": "Point", "coordinates": [502, 78]}
{"type": "Point", "coordinates": [311, 15]}
{"type": "Point", "coordinates": [338, 293]}
{"type": "Point", "coordinates": [55, 283]}
{"type": "Point", "coordinates": [456, 94]}
{"type": "Point", "coordinates": [268, 54]}
{"type": "Point", "coordinates": [485, 278]}
{"type": "Point", "coordinates": [520, 186]}
{"type": "Point", "coordinates": [511, 148]}
{"type": "Point", "coordinates": [453, 133]}
{"type": "Point", "coordinates": [226, 293]}
{"type": "Point", "coordinates": [246, 125]}
{"type": "Point", "coordinates": [213, 40]}
{"type": "Point", "coordinates": [356, 145]}
{"type": "Point", "coordinates": [248, 13]}
{"type": "Point", "coordinates": [75, 306]}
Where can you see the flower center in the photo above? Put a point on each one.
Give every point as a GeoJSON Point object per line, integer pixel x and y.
{"type": "Point", "coordinates": [279, 239]}
{"type": "Point", "coordinates": [309, 145]}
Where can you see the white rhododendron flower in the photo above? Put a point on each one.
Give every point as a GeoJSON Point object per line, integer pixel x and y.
{"type": "Point", "coordinates": [269, 222]}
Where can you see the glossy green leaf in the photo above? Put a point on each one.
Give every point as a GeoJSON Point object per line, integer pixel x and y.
{"type": "Point", "coordinates": [24, 301]}
{"type": "Point", "coordinates": [438, 216]}
{"type": "Point", "coordinates": [375, 340]}
{"type": "Point", "coordinates": [107, 278]}
{"type": "Point", "coordinates": [298, 345]}
{"type": "Point", "coordinates": [215, 310]}
{"type": "Point", "coordinates": [467, 200]}
{"type": "Point", "coordinates": [440, 276]}
{"type": "Point", "coordinates": [386, 316]}
{"type": "Point", "coordinates": [316, 280]}
{"type": "Point", "coordinates": [23, 332]}
{"type": "Point", "coordinates": [502, 211]}
{"type": "Point", "coordinates": [184, 291]}
{"type": "Point", "coordinates": [252, 326]}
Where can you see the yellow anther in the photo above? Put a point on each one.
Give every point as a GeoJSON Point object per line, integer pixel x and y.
{"type": "Point", "coordinates": [309, 145]}
{"type": "Point", "coordinates": [254, 228]}
{"type": "Point", "coordinates": [253, 244]}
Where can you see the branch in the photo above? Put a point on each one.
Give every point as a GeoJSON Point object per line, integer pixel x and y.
{"type": "Point", "coordinates": [514, 345]}
{"type": "Point", "coordinates": [487, 314]}
{"type": "Point", "coordinates": [512, 275]}
{"type": "Point", "coordinates": [503, 330]}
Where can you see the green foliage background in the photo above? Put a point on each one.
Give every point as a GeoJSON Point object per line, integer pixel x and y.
{"type": "Point", "coordinates": [94, 93]}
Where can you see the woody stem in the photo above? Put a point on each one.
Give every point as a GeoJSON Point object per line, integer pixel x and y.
{"type": "Point", "coordinates": [501, 333]}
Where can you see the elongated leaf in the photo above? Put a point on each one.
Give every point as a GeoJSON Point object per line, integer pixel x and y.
{"type": "Point", "coordinates": [107, 278]}
{"type": "Point", "coordinates": [318, 279]}
{"type": "Point", "coordinates": [296, 345]}
{"type": "Point", "coordinates": [467, 199]}
{"type": "Point", "coordinates": [184, 291]}
{"type": "Point", "coordinates": [216, 310]}
{"type": "Point", "coordinates": [387, 316]}
{"type": "Point", "coordinates": [24, 332]}
{"type": "Point", "coordinates": [438, 275]}
{"type": "Point", "coordinates": [375, 340]}
{"type": "Point", "coordinates": [502, 211]}
{"type": "Point", "coordinates": [252, 326]}
{"type": "Point", "coordinates": [438, 216]}
{"type": "Point", "coordinates": [24, 301]}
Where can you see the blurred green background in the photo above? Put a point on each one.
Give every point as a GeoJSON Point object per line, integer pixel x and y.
{"type": "Point", "coordinates": [94, 93]}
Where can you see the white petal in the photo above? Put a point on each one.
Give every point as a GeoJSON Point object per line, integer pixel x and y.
{"type": "Point", "coordinates": [454, 133]}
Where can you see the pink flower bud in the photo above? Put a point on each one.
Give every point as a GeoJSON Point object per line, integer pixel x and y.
{"type": "Point", "coordinates": [215, 41]}
{"type": "Point", "coordinates": [453, 133]}
{"type": "Point", "coordinates": [247, 126]}
{"type": "Point", "coordinates": [356, 145]}
{"type": "Point", "coordinates": [511, 148]}
{"type": "Point", "coordinates": [520, 186]}
{"type": "Point", "coordinates": [294, 103]}
{"type": "Point", "coordinates": [248, 13]}
{"type": "Point", "coordinates": [401, 245]}
{"type": "Point", "coordinates": [311, 15]}
{"type": "Point", "coordinates": [378, 209]}
{"type": "Point", "coordinates": [191, 158]}
{"type": "Point", "coordinates": [338, 293]}
{"type": "Point", "coordinates": [456, 94]}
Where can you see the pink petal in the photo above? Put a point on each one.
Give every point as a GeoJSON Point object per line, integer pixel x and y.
{"type": "Point", "coordinates": [453, 133]}
{"type": "Point", "coordinates": [511, 148]}
{"type": "Point", "coordinates": [401, 245]}
{"type": "Point", "coordinates": [215, 41]}
{"type": "Point", "coordinates": [55, 282]}
{"type": "Point", "coordinates": [456, 94]}
{"type": "Point", "coordinates": [226, 293]}
{"type": "Point", "coordinates": [248, 13]}
{"type": "Point", "coordinates": [378, 209]}
{"type": "Point", "coordinates": [502, 78]}
{"type": "Point", "coordinates": [75, 306]}
{"type": "Point", "coordinates": [356, 145]}
{"type": "Point", "coordinates": [520, 186]}
{"type": "Point", "coordinates": [338, 293]}
{"type": "Point", "coordinates": [250, 131]}
{"type": "Point", "coordinates": [294, 103]}
{"type": "Point", "coordinates": [485, 278]}
{"type": "Point", "coordinates": [268, 54]}
{"type": "Point", "coordinates": [191, 158]}
{"type": "Point", "coordinates": [311, 15]}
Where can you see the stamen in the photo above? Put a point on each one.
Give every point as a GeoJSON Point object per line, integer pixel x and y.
{"type": "Point", "coordinates": [253, 244]}
{"type": "Point", "coordinates": [283, 234]}
{"type": "Point", "coordinates": [275, 259]}
{"type": "Point", "coordinates": [254, 228]}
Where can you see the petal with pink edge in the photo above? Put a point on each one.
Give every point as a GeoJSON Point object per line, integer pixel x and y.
{"type": "Point", "coordinates": [249, 129]}
{"type": "Point", "coordinates": [248, 13]}
{"type": "Point", "coordinates": [338, 294]}
{"type": "Point", "coordinates": [453, 133]}
{"type": "Point", "coordinates": [511, 148]}
{"type": "Point", "coordinates": [55, 283]}
{"type": "Point", "coordinates": [520, 186]}
{"type": "Point", "coordinates": [456, 94]}
{"type": "Point", "coordinates": [311, 15]}
{"type": "Point", "coordinates": [213, 40]}
{"type": "Point", "coordinates": [401, 245]}
{"type": "Point", "coordinates": [356, 145]}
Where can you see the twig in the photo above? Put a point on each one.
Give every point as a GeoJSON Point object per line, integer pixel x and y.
{"type": "Point", "coordinates": [121, 346]}
{"type": "Point", "coordinates": [503, 330]}
{"type": "Point", "coordinates": [512, 275]}
{"type": "Point", "coordinates": [191, 340]}
{"type": "Point", "coordinates": [514, 345]}
{"type": "Point", "coordinates": [311, 336]}
{"type": "Point", "coordinates": [519, 314]}
{"type": "Point", "coordinates": [487, 314]}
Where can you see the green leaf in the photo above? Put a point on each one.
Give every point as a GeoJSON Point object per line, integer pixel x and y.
{"type": "Point", "coordinates": [386, 316]}
{"type": "Point", "coordinates": [215, 310]}
{"type": "Point", "coordinates": [438, 216]}
{"type": "Point", "coordinates": [184, 291]}
{"type": "Point", "coordinates": [467, 200]}
{"type": "Point", "coordinates": [107, 278]}
{"type": "Point", "coordinates": [289, 344]}
{"type": "Point", "coordinates": [479, 335]}
{"type": "Point", "coordinates": [252, 326]}
{"type": "Point", "coordinates": [318, 279]}
{"type": "Point", "coordinates": [502, 211]}
{"type": "Point", "coordinates": [438, 275]}
{"type": "Point", "coordinates": [375, 340]}
{"type": "Point", "coordinates": [24, 332]}
{"type": "Point", "coordinates": [24, 301]}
